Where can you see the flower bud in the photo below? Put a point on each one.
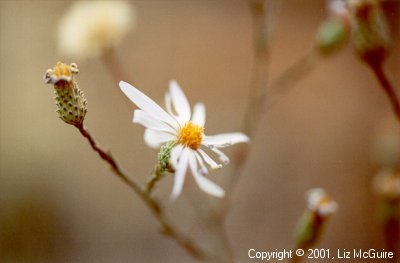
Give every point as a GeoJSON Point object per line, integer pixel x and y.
{"type": "Point", "coordinates": [370, 31]}
{"type": "Point", "coordinates": [331, 35]}
{"type": "Point", "coordinates": [310, 226]}
{"type": "Point", "coordinates": [70, 101]}
{"type": "Point", "coordinates": [387, 184]}
{"type": "Point", "coordinates": [164, 156]}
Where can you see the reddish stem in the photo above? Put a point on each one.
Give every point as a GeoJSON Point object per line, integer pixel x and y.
{"type": "Point", "coordinates": [166, 227]}
{"type": "Point", "coordinates": [387, 87]}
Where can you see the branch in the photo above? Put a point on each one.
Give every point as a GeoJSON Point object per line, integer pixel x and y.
{"type": "Point", "coordinates": [387, 87]}
{"type": "Point", "coordinates": [155, 207]}
{"type": "Point", "coordinates": [114, 66]}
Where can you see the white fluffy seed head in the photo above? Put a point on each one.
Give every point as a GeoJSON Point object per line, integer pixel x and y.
{"type": "Point", "coordinates": [90, 28]}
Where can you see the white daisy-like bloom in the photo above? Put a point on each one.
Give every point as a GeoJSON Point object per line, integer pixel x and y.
{"type": "Point", "coordinates": [320, 202]}
{"type": "Point", "coordinates": [90, 28]}
{"type": "Point", "coordinates": [178, 124]}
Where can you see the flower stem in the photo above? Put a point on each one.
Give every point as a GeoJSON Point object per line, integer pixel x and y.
{"type": "Point", "coordinates": [296, 259]}
{"type": "Point", "coordinates": [157, 175]}
{"type": "Point", "coordinates": [109, 159]}
{"type": "Point", "coordinates": [387, 87]}
{"type": "Point", "coordinates": [114, 66]}
{"type": "Point", "coordinates": [258, 104]}
{"type": "Point", "coordinates": [391, 228]}
{"type": "Point", "coordinates": [261, 63]}
{"type": "Point", "coordinates": [155, 207]}
{"type": "Point", "coordinates": [292, 75]}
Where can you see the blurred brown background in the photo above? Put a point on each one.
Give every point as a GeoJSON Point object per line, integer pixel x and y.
{"type": "Point", "coordinates": [60, 203]}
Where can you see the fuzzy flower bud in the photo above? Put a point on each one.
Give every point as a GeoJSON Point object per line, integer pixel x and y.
{"type": "Point", "coordinates": [370, 31]}
{"type": "Point", "coordinates": [311, 224]}
{"type": "Point", "coordinates": [71, 104]}
{"type": "Point", "coordinates": [334, 32]}
{"type": "Point", "coordinates": [164, 156]}
{"type": "Point", "coordinates": [387, 184]}
{"type": "Point", "coordinates": [331, 35]}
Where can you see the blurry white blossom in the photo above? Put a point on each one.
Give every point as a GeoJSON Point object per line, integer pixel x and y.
{"type": "Point", "coordinates": [185, 131]}
{"type": "Point", "coordinates": [90, 28]}
{"type": "Point", "coordinates": [337, 7]}
{"type": "Point", "coordinates": [320, 202]}
{"type": "Point", "coordinates": [387, 183]}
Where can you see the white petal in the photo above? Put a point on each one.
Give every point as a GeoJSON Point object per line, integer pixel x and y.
{"type": "Point", "coordinates": [155, 139]}
{"type": "Point", "coordinates": [168, 104]}
{"type": "Point", "coordinates": [146, 104]}
{"type": "Point", "coordinates": [208, 160]}
{"type": "Point", "coordinates": [314, 197]}
{"type": "Point", "coordinates": [328, 209]}
{"type": "Point", "coordinates": [150, 122]}
{"type": "Point", "coordinates": [180, 173]}
{"type": "Point", "coordinates": [225, 139]}
{"type": "Point", "coordinates": [209, 186]}
{"type": "Point", "coordinates": [179, 101]}
{"type": "Point", "coordinates": [205, 184]}
{"type": "Point", "coordinates": [175, 154]}
{"type": "Point", "coordinates": [223, 158]}
{"type": "Point", "coordinates": [199, 114]}
{"type": "Point", "coordinates": [204, 169]}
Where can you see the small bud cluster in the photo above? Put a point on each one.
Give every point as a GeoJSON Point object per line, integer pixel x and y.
{"type": "Point", "coordinates": [70, 101]}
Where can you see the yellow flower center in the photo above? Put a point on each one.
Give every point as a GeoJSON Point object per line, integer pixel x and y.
{"type": "Point", "coordinates": [62, 70]}
{"type": "Point", "coordinates": [191, 135]}
{"type": "Point", "coordinates": [325, 200]}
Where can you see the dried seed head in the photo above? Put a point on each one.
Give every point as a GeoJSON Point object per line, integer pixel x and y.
{"type": "Point", "coordinates": [70, 101]}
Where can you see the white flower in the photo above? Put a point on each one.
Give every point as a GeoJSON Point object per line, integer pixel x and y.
{"type": "Point", "coordinates": [187, 130]}
{"type": "Point", "coordinates": [90, 28]}
{"type": "Point", "coordinates": [320, 202]}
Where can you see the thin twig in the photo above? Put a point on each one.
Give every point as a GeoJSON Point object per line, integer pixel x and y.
{"type": "Point", "coordinates": [114, 66]}
{"type": "Point", "coordinates": [261, 33]}
{"type": "Point", "coordinates": [258, 104]}
{"type": "Point", "coordinates": [296, 259]}
{"type": "Point", "coordinates": [262, 94]}
{"type": "Point", "coordinates": [287, 80]}
{"type": "Point", "coordinates": [387, 87]}
{"type": "Point", "coordinates": [391, 231]}
{"type": "Point", "coordinates": [156, 176]}
{"type": "Point", "coordinates": [154, 206]}
{"type": "Point", "coordinates": [391, 228]}
{"type": "Point", "coordinates": [260, 66]}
